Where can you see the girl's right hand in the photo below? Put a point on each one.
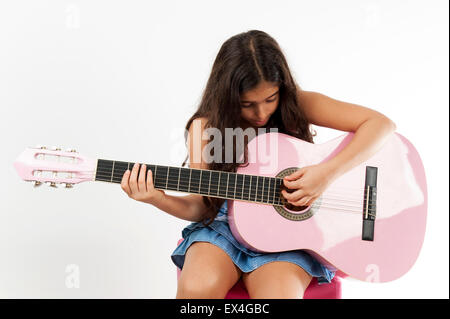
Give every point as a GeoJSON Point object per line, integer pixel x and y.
{"type": "Point", "coordinates": [140, 189]}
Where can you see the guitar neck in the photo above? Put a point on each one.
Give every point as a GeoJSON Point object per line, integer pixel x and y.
{"type": "Point", "coordinates": [228, 185]}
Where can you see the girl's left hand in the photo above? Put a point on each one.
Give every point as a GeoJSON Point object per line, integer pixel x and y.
{"type": "Point", "coordinates": [309, 181]}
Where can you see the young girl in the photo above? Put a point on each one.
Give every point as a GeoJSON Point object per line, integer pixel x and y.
{"type": "Point", "coordinates": [251, 86]}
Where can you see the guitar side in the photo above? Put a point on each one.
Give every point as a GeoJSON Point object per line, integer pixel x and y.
{"type": "Point", "coordinates": [333, 234]}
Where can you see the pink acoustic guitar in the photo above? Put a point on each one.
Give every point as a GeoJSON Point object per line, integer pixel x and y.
{"type": "Point", "coordinates": [369, 223]}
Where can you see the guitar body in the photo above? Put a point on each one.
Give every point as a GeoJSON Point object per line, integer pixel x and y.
{"type": "Point", "coordinates": [333, 232]}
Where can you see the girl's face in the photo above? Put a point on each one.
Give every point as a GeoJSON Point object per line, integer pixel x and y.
{"type": "Point", "coordinates": [258, 104]}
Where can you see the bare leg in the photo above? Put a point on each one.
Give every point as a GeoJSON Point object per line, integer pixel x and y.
{"type": "Point", "coordinates": [208, 273]}
{"type": "Point", "coordinates": [277, 279]}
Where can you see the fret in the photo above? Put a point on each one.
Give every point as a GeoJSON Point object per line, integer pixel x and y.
{"type": "Point", "coordinates": [252, 188]}
{"type": "Point", "coordinates": [190, 174]}
{"type": "Point", "coordinates": [256, 189]}
{"type": "Point", "coordinates": [195, 181]}
{"type": "Point", "coordinates": [273, 190]}
{"type": "Point", "coordinates": [178, 184]}
{"type": "Point", "coordinates": [209, 185]}
{"type": "Point", "coordinates": [119, 170]}
{"type": "Point", "coordinates": [244, 188]}
{"type": "Point", "coordinates": [214, 183]}
{"type": "Point", "coordinates": [112, 171]}
{"type": "Point", "coordinates": [239, 186]}
{"type": "Point", "coordinates": [269, 188]}
{"type": "Point", "coordinates": [106, 171]}
{"type": "Point", "coordinates": [263, 189]}
{"type": "Point", "coordinates": [223, 184]}
{"type": "Point", "coordinates": [167, 176]}
{"type": "Point", "coordinates": [102, 170]}
{"type": "Point", "coordinates": [228, 179]}
{"type": "Point", "coordinates": [160, 180]}
{"type": "Point", "coordinates": [218, 183]}
{"type": "Point", "coordinates": [172, 178]}
{"type": "Point", "coordinates": [184, 180]}
{"type": "Point", "coordinates": [200, 181]}
{"type": "Point", "coordinates": [204, 182]}
{"type": "Point", "coordinates": [277, 189]}
{"type": "Point", "coordinates": [232, 185]}
{"type": "Point", "coordinates": [278, 194]}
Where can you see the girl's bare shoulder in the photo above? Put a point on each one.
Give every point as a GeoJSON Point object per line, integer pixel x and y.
{"type": "Point", "coordinates": [325, 111]}
{"type": "Point", "coordinates": [194, 141]}
{"type": "Point", "coordinates": [199, 121]}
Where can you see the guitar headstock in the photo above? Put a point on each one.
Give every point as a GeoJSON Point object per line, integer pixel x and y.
{"type": "Point", "coordinates": [54, 166]}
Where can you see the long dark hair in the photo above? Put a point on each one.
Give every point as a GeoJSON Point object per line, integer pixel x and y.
{"type": "Point", "coordinates": [244, 61]}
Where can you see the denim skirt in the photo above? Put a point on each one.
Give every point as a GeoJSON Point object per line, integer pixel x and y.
{"type": "Point", "coordinates": [219, 234]}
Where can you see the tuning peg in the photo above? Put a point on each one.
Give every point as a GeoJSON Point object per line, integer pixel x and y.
{"type": "Point", "coordinates": [69, 185]}
{"type": "Point", "coordinates": [52, 184]}
{"type": "Point", "coordinates": [37, 183]}
{"type": "Point", "coordinates": [56, 148]}
{"type": "Point", "coordinates": [43, 147]}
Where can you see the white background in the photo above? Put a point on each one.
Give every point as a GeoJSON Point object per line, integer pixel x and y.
{"type": "Point", "coordinates": [119, 80]}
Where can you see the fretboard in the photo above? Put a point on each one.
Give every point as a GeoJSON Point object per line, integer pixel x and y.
{"type": "Point", "coordinates": [229, 185]}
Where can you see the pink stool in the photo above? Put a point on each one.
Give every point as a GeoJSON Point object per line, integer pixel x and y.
{"type": "Point", "coordinates": [314, 290]}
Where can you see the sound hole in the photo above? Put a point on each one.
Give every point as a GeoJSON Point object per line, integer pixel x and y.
{"type": "Point", "coordinates": [295, 208]}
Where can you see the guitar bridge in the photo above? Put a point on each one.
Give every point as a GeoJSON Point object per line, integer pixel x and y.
{"type": "Point", "coordinates": [370, 199]}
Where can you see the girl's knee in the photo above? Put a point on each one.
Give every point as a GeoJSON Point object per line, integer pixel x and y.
{"type": "Point", "coordinates": [192, 288]}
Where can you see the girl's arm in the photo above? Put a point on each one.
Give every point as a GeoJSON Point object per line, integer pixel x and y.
{"type": "Point", "coordinates": [190, 207]}
{"type": "Point", "coordinates": [371, 128]}
{"type": "Point", "coordinates": [139, 188]}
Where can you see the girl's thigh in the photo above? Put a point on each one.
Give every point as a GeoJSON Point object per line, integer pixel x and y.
{"type": "Point", "coordinates": [208, 272]}
{"type": "Point", "coordinates": [277, 279]}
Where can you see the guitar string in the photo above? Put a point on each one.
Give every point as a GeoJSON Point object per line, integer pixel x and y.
{"type": "Point", "coordinates": [324, 201]}
{"type": "Point", "coordinates": [264, 191]}
{"type": "Point", "coordinates": [216, 185]}
{"type": "Point", "coordinates": [214, 182]}
{"type": "Point", "coordinates": [355, 196]}
{"type": "Point", "coordinates": [175, 184]}
{"type": "Point", "coordinates": [322, 205]}
{"type": "Point", "coordinates": [108, 172]}
{"type": "Point", "coordinates": [117, 165]}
